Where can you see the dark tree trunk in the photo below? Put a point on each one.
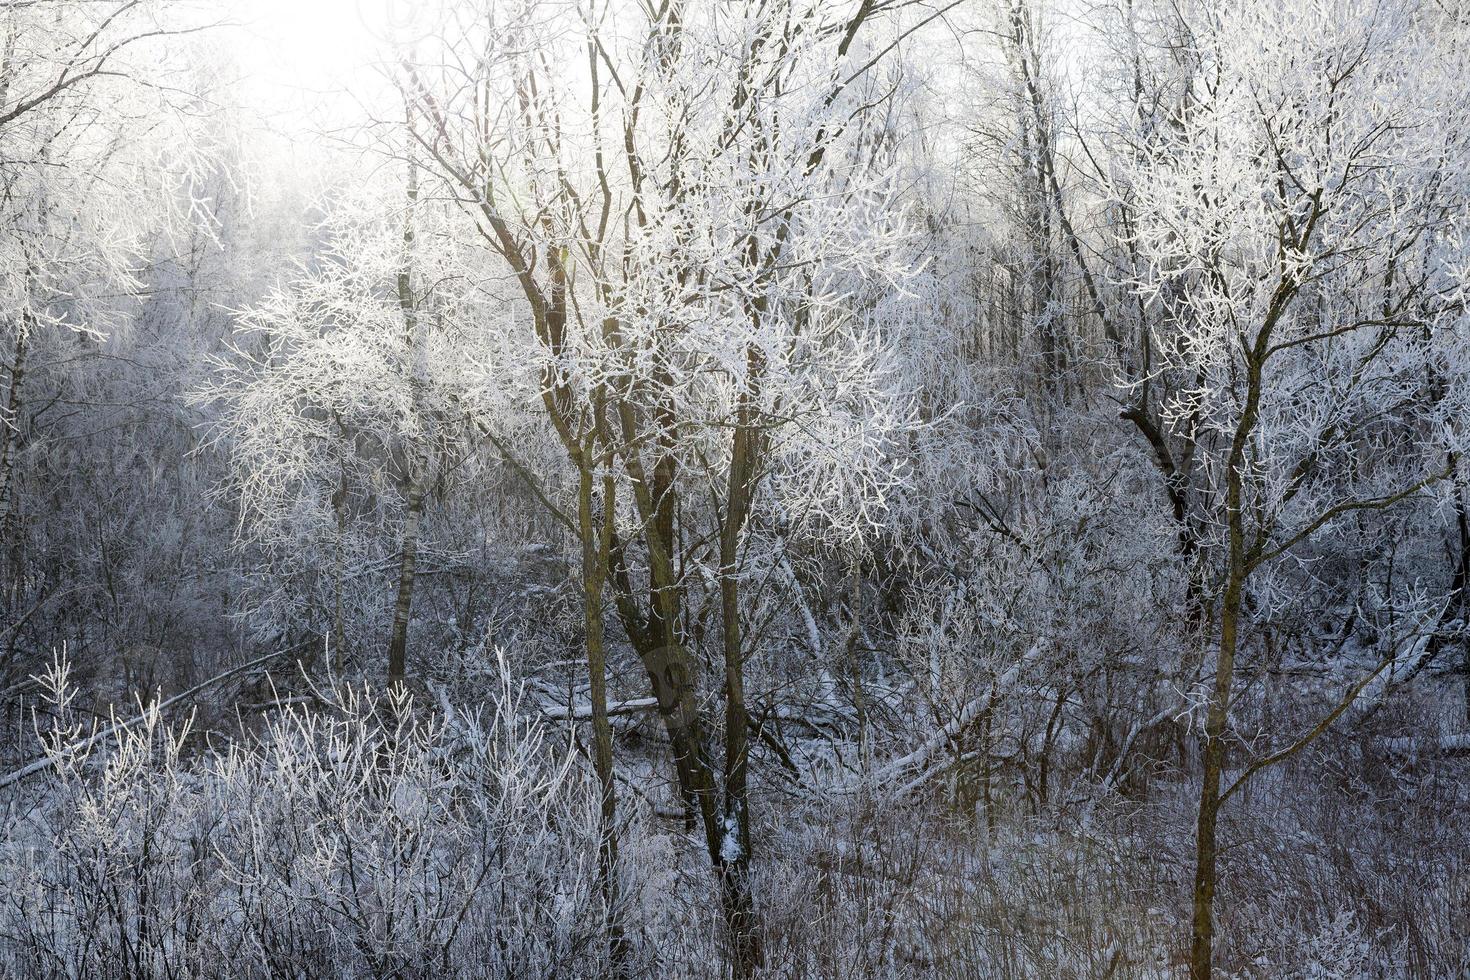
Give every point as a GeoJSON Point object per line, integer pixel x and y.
{"type": "Point", "coordinates": [595, 547]}
{"type": "Point", "coordinates": [398, 645]}
{"type": "Point", "coordinates": [734, 853]}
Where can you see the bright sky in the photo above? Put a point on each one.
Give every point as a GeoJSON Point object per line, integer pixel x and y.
{"type": "Point", "coordinates": [310, 64]}
{"type": "Point", "coordinates": [311, 75]}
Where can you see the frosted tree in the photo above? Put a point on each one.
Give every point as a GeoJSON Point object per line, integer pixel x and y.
{"type": "Point", "coordinates": [702, 233]}
{"type": "Point", "coordinates": [347, 389]}
{"type": "Point", "coordinates": [1296, 230]}
{"type": "Point", "coordinates": [89, 97]}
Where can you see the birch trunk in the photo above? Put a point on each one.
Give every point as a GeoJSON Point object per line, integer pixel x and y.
{"type": "Point", "coordinates": [10, 427]}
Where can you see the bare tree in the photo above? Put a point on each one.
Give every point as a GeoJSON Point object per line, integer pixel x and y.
{"type": "Point", "coordinates": [1303, 281]}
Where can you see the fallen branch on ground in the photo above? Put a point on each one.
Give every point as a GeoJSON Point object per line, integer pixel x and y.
{"type": "Point", "coordinates": [1443, 745]}
{"type": "Point", "coordinates": [920, 758]}
{"type": "Point", "coordinates": [50, 761]}
{"type": "Point", "coordinates": [583, 711]}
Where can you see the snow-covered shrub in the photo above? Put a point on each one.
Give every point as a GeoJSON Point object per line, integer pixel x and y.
{"type": "Point", "coordinates": [1060, 611]}
{"type": "Point", "coordinates": [366, 839]}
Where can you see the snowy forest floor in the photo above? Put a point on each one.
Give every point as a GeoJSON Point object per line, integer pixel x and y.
{"type": "Point", "coordinates": [323, 845]}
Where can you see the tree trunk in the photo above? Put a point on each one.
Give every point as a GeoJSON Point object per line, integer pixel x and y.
{"type": "Point", "coordinates": [414, 499]}
{"type": "Point", "coordinates": [1457, 609]}
{"type": "Point", "coordinates": [595, 549]}
{"type": "Point", "coordinates": [733, 857]}
{"type": "Point", "coordinates": [339, 618]}
{"type": "Point", "coordinates": [398, 646]}
{"type": "Point", "coordinates": [1217, 718]}
{"type": "Point", "coordinates": [1206, 852]}
{"type": "Point", "coordinates": [671, 674]}
{"type": "Point", "coordinates": [1461, 600]}
{"type": "Point", "coordinates": [656, 637]}
{"type": "Point", "coordinates": [854, 634]}
{"type": "Point", "coordinates": [9, 428]}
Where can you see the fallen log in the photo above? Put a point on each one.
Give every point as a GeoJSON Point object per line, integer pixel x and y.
{"type": "Point", "coordinates": [1447, 745]}
{"type": "Point", "coordinates": [582, 711]}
